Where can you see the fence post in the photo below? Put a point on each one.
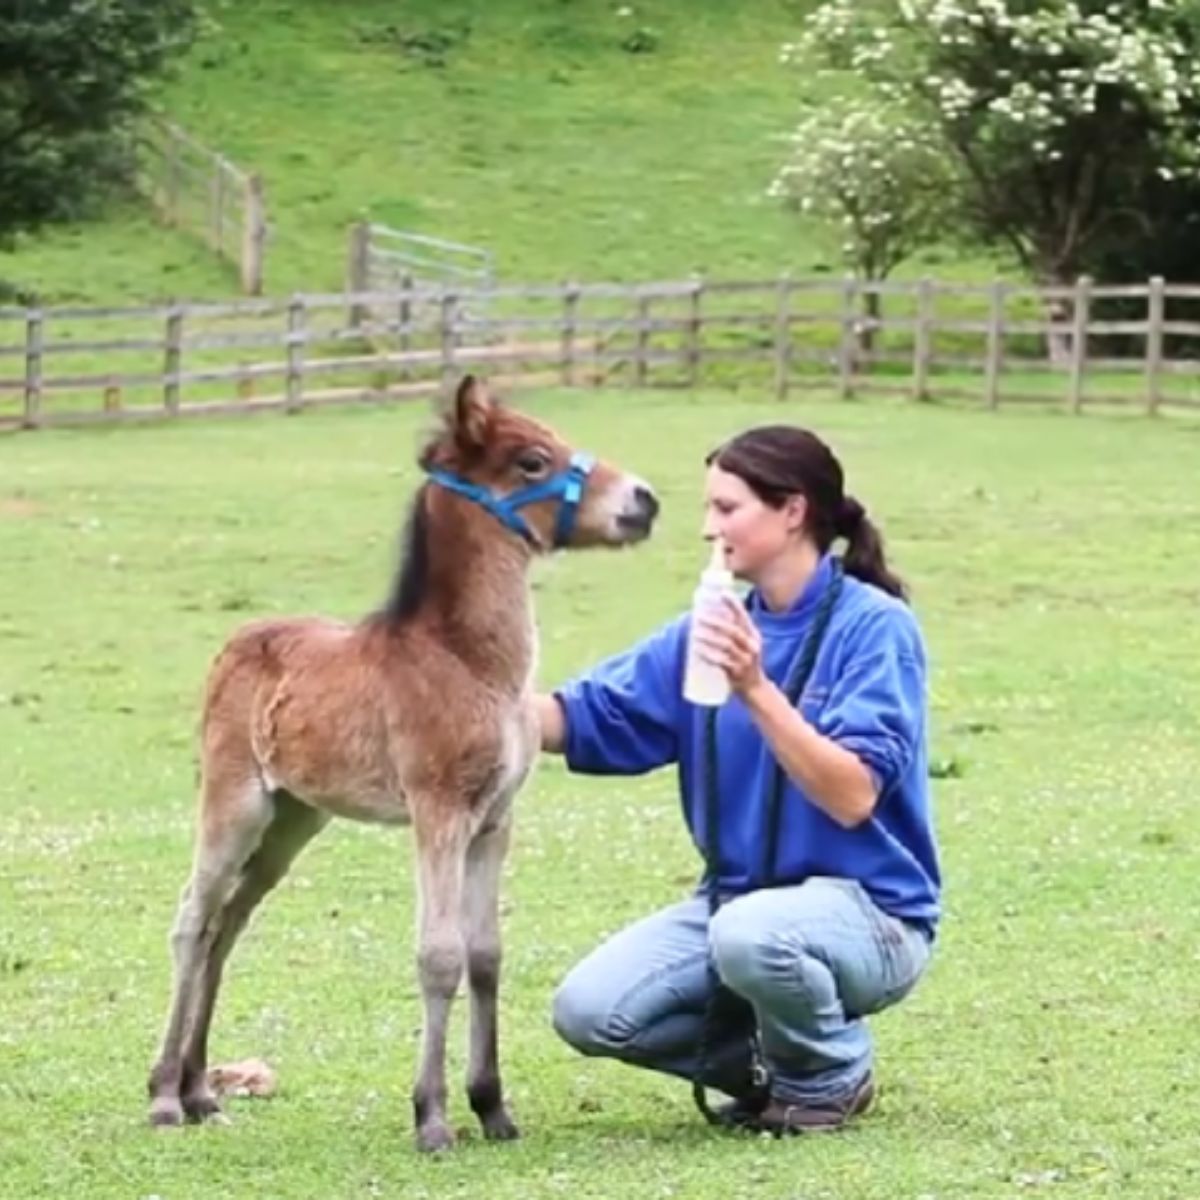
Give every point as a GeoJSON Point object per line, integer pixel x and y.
{"type": "Point", "coordinates": [1155, 313]}
{"type": "Point", "coordinates": [218, 205]}
{"type": "Point", "coordinates": [171, 359]}
{"type": "Point", "coordinates": [448, 306]}
{"type": "Point", "coordinates": [33, 369]}
{"type": "Point", "coordinates": [695, 330]}
{"type": "Point", "coordinates": [254, 236]}
{"type": "Point", "coordinates": [358, 263]}
{"type": "Point", "coordinates": [1079, 339]}
{"type": "Point", "coordinates": [995, 345]}
{"type": "Point", "coordinates": [570, 315]}
{"type": "Point", "coordinates": [405, 314]}
{"type": "Point", "coordinates": [245, 385]}
{"type": "Point", "coordinates": [783, 328]}
{"type": "Point", "coordinates": [643, 339]}
{"type": "Point", "coordinates": [296, 335]}
{"type": "Point", "coordinates": [922, 341]}
{"type": "Point", "coordinates": [848, 344]}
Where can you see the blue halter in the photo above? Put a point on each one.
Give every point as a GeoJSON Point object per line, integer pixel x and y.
{"type": "Point", "coordinates": [566, 486]}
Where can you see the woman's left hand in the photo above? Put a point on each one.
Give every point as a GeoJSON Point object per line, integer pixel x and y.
{"type": "Point", "coordinates": [728, 638]}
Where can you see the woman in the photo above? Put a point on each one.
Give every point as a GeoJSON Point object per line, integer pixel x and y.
{"type": "Point", "coordinates": [821, 893]}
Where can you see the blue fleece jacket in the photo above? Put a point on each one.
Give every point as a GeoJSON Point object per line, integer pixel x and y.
{"type": "Point", "coordinates": [866, 693]}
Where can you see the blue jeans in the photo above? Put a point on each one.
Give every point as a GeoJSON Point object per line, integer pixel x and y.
{"type": "Point", "coordinates": [811, 960]}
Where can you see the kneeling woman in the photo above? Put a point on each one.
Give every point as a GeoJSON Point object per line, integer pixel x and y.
{"type": "Point", "coordinates": [806, 793]}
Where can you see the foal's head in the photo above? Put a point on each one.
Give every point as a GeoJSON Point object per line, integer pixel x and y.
{"type": "Point", "coordinates": [531, 481]}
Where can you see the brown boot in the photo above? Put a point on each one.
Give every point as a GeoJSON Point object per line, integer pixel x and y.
{"type": "Point", "coordinates": [782, 1117]}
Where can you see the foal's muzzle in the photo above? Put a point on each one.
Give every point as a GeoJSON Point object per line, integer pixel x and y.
{"type": "Point", "coordinates": [637, 519]}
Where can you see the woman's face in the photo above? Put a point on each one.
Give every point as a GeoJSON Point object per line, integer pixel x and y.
{"type": "Point", "coordinates": [754, 534]}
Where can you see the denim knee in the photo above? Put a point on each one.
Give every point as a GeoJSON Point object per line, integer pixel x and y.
{"type": "Point", "coordinates": [738, 948]}
{"type": "Point", "coordinates": [578, 1019]}
{"type": "Point", "coordinates": [753, 960]}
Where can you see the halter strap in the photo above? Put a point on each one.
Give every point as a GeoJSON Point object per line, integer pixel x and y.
{"type": "Point", "coordinates": [567, 487]}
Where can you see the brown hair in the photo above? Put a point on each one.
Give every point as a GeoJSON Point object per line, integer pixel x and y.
{"type": "Point", "coordinates": [778, 461]}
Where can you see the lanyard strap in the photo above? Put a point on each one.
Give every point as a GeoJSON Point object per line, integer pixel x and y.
{"type": "Point", "coordinates": [724, 1007]}
{"type": "Point", "coordinates": [794, 685]}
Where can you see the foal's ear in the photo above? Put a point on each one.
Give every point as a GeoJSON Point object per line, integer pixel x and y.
{"type": "Point", "coordinates": [471, 413]}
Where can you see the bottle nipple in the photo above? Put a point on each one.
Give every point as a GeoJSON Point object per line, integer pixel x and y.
{"type": "Point", "coordinates": [717, 571]}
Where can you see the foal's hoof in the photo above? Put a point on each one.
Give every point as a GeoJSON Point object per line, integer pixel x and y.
{"type": "Point", "coordinates": [434, 1138]}
{"type": "Point", "coordinates": [203, 1108]}
{"type": "Point", "coordinates": [166, 1112]}
{"type": "Point", "coordinates": [498, 1126]}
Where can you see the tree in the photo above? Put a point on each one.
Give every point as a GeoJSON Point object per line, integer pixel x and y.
{"type": "Point", "coordinates": [1060, 119]}
{"type": "Point", "coordinates": [73, 76]}
{"type": "Point", "coordinates": [875, 173]}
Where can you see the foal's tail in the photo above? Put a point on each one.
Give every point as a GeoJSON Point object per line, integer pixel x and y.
{"type": "Point", "coordinates": [247, 658]}
{"type": "Point", "coordinates": [245, 672]}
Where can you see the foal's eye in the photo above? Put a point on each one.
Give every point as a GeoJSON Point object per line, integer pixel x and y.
{"type": "Point", "coordinates": [533, 462]}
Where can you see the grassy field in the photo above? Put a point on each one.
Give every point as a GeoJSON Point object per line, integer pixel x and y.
{"type": "Point", "coordinates": [574, 138]}
{"type": "Point", "coordinates": [1053, 565]}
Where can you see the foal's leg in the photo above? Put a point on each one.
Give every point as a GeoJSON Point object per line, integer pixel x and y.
{"type": "Point", "coordinates": [481, 905]}
{"type": "Point", "coordinates": [292, 827]}
{"type": "Point", "coordinates": [441, 839]}
{"type": "Point", "coordinates": [232, 820]}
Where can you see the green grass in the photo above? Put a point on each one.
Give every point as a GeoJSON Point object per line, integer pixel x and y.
{"type": "Point", "coordinates": [540, 137]}
{"type": "Point", "coordinates": [1048, 1050]}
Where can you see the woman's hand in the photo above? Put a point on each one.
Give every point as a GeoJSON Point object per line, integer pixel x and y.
{"type": "Point", "coordinates": [730, 640]}
{"type": "Point", "coordinates": [833, 778]}
{"type": "Point", "coordinates": [552, 723]}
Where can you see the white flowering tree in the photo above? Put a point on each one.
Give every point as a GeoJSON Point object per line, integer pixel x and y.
{"type": "Point", "coordinates": [876, 174]}
{"type": "Point", "coordinates": [1070, 129]}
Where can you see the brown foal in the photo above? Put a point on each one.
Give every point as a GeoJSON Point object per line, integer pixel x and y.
{"type": "Point", "coordinates": [419, 713]}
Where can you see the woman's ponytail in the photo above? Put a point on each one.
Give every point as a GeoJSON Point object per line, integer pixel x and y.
{"type": "Point", "coordinates": [864, 557]}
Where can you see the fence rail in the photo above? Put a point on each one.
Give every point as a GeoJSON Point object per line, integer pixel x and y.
{"type": "Point", "coordinates": [989, 344]}
{"type": "Point", "coordinates": [199, 190]}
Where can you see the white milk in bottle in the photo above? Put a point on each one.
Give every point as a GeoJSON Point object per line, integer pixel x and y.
{"type": "Point", "coordinates": [705, 682]}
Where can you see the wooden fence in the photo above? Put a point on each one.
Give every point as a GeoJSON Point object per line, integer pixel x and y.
{"type": "Point", "coordinates": [382, 259]}
{"type": "Point", "coordinates": [201, 191]}
{"type": "Point", "coordinates": [986, 344]}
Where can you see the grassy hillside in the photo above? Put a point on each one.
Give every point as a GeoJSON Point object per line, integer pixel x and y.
{"type": "Point", "coordinates": [572, 137]}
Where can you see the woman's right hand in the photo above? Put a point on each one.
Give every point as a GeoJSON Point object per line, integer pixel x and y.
{"type": "Point", "coordinates": [552, 723]}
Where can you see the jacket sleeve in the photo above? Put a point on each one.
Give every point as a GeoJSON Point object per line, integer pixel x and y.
{"type": "Point", "coordinates": [622, 718]}
{"type": "Point", "coordinates": [877, 705]}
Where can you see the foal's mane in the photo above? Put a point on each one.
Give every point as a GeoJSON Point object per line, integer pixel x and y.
{"type": "Point", "coordinates": [411, 582]}
{"type": "Point", "coordinates": [412, 577]}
